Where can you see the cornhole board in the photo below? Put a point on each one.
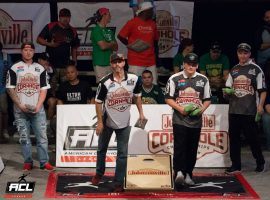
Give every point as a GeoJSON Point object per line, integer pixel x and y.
{"type": "Point", "coordinates": [1, 165]}
{"type": "Point", "coordinates": [149, 172]}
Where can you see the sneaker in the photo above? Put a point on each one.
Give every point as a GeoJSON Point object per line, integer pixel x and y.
{"type": "Point", "coordinates": [118, 188]}
{"type": "Point", "coordinates": [232, 170]}
{"type": "Point", "coordinates": [96, 179]}
{"type": "Point", "coordinates": [260, 168]}
{"type": "Point", "coordinates": [47, 166]}
{"type": "Point", "coordinates": [179, 178]}
{"type": "Point", "coordinates": [188, 180]}
{"type": "Point", "coordinates": [27, 166]}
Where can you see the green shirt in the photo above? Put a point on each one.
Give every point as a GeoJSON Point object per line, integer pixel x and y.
{"type": "Point", "coordinates": [101, 57]}
{"type": "Point", "coordinates": [155, 96]}
{"type": "Point", "coordinates": [178, 61]}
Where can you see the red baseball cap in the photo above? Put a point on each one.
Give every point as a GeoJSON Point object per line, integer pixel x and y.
{"type": "Point", "coordinates": [103, 11]}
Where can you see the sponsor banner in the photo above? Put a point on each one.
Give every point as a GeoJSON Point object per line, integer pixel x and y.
{"type": "Point", "coordinates": [77, 141]}
{"type": "Point", "coordinates": [174, 21]}
{"type": "Point", "coordinates": [22, 22]}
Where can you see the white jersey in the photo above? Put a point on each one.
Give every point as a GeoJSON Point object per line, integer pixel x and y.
{"type": "Point", "coordinates": [27, 80]}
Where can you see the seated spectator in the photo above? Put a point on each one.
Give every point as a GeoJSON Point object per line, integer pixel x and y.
{"type": "Point", "coordinates": [151, 93]}
{"type": "Point", "coordinates": [50, 101]}
{"type": "Point", "coordinates": [186, 47]}
{"type": "Point", "coordinates": [215, 66]}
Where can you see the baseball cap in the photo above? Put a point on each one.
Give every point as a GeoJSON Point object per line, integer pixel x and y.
{"type": "Point", "coordinates": [28, 45]}
{"type": "Point", "coordinates": [191, 58]}
{"type": "Point", "coordinates": [64, 12]}
{"type": "Point", "coordinates": [244, 47]}
{"type": "Point", "coordinates": [144, 6]}
{"type": "Point", "coordinates": [215, 47]}
{"type": "Point", "coordinates": [103, 11]}
{"type": "Point", "coordinates": [117, 56]}
{"type": "Point", "coordinates": [44, 56]}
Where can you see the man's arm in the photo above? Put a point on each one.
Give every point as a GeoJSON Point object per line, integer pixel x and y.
{"type": "Point", "coordinates": [41, 99]}
{"type": "Point", "coordinates": [122, 39]}
{"type": "Point", "coordinates": [174, 105]}
{"type": "Point", "coordinates": [206, 104]}
{"type": "Point", "coordinates": [108, 45]}
{"type": "Point", "coordinates": [44, 42]}
{"type": "Point", "coordinates": [74, 54]}
{"type": "Point", "coordinates": [11, 92]}
{"type": "Point", "coordinates": [261, 102]}
{"type": "Point", "coordinates": [138, 102]}
{"type": "Point", "coordinates": [60, 102]}
{"type": "Point", "coordinates": [100, 125]}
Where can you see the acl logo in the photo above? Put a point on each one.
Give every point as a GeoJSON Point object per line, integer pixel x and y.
{"type": "Point", "coordinates": [83, 138]}
{"type": "Point", "coordinates": [21, 186]}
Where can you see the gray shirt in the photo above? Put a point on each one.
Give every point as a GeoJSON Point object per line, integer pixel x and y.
{"type": "Point", "coordinates": [247, 80]}
{"type": "Point", "coordinates": [186, 90]}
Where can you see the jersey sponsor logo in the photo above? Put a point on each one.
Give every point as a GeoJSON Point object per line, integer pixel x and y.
{"type": "Point", "coordinates": [20, 70]}
{"type": "Point", "coordinates": [189, 95]}
{"type": "Point", "coordinates": [145, 28]}
{"type": "Point", "coordinates": [181, 82]}
{"type": "Point", "coordinates": [74, 96]}
{"type": "Point", "coordinates": [242, 86]}
{"type": "Point", "coordinates": [252, 72]}
{"type": "Point", "coordinates": [14, 32]}
{"type": "Point", "coordinates": [28, 84]}
{"type": "Point", "coordinates": [200, 83]}
{"type": "Point", "coordinates": [37, 69]}
{"type": "Point", "coordinates": [119, 100]}
{"type": "Point", "coordinates": [148, 100]}
{"type": "Point", "coordinates": [130, 82]}
{"type": "Point", "coordinates": [235, 71]}
{"type": "Point", "coordinates": [112, 85]}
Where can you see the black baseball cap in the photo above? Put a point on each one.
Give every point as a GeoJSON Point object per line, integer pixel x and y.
{"type": "Point", "coordinates": [44, 56]}
{"type": "Point", "coordinates": [191, 58]}
{"type": "Point", "coordinates": [28, 44]}
{"type": "Point", "coordinates": [117, 56]}
{"type": "Point", "coordinates": [64, 12]}
{"type": "Point", "coordinates": [215, 47]}
{"type": "Point", "coordinates": [244, 47]}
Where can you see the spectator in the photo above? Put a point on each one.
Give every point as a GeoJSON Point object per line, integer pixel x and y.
{"type": "Point", "coordinates": [134, 4]}
{"type": "Point", "coordinates": [27, 87]}
{"type": "Point", "coordinates": [247, 92]}
{"type": "Point", "coordinates": [50, 101]}
{"type": "Point", "coordinates": [141, 36]}
{"type": "Point", "coordinates": [61, 40]}
{"type": "Point", "coordinates": [115, 91]}
{"type": "Point", "coordinates": [186, 47]}
{"type": "Point", "coordinates": [104, 43]}
{"type": "Point", "coordinates": [215, 66]}
{"type": "Point", "coordinates": [188, 93]}
{"type": "Point", "coordinates": [263, 41]}
{"type": "Point", "coordinates": [5, 64]}
{"type": "Point", "coordinates": [151, 93]}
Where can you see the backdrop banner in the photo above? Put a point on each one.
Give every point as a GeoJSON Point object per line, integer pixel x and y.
{"type": "Point", "coordinates": [77, 140]}
{"type": "Point", "coordinates": [173, 18]}
{"type": "Point", "coordinates": [20, 22]}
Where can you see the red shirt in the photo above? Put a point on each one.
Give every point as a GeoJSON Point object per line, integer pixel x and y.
{"type": "Point", "coordinates": [137, 28]}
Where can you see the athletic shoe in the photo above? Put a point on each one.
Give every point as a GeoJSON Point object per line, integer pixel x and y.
{"type": "Point", "coordinates": [27, 166]}
{"type": "Point", "coordinates": [47, 166]}
{"type": "Point", "coordinates": [188, 180]}
{"type": "Point", "coordinates": [96, 179]}
{"type": "Point", "coordinates": [260, 168]}
{"type": "Point", "coordinates": [179, 178]}
{"type": "Point", "coordinates": [232, 170]}
{"type": "Point", "coordinates": [118, 188]}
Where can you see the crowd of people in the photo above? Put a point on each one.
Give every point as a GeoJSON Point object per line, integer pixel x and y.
{"type": "Point", "coordinates": [35, 89]}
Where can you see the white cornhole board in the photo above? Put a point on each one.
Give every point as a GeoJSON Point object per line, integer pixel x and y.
{"type": "Point", "coordinates": [1, 165]}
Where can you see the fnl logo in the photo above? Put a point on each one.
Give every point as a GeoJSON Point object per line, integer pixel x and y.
{"type": "Point", "coordinates": [22, 188]}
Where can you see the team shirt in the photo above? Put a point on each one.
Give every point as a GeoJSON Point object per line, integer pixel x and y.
{"type": "Point", "coordinates": [27, 80]}
{"type": "Point", "coordinates": [67, 37]}
{"type": "Point", "coordinates": [186, 90]}
{"type": "Point", "coordinates": [135, 29]}
{"type": "Point", "coordinates": [75, 94]}
{"type": "Point", "coordinates": [153, 96]}
{"type": "Point", "coordinates": [117, 99]}
{"type": "Point", "coordinates": [247, 81]}
{"type": "Point", "coordinates": [101, 57]}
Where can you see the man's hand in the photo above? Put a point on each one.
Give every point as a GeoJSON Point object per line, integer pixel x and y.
{"type": "Point", "coordinates": [228, 91]}
{"type": "Point", "coordinates": [23, 108]}
{"type": "Point", "coordinates": [196, 112]}
{"type": "Point", "coordinates": [53, 44]}
{"type": "Point", "coordinates": [258, 117]}
{"type": "Point", "coordinates": [99, 128]}
{"type": "Point", "coordinates": [189, 108]}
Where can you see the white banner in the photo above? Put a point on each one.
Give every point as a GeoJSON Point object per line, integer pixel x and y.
{"type": "Point", "coordinates": [174, 21]}
{"type": "Point", "coordinates": [20, 22]}
{"type": "Point", "coordinates": [77, 141]}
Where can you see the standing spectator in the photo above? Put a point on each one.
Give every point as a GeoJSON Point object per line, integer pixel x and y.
{"type": "Point", "coordinates": [5, 64]}
{"type": "Point", "coordinates": [188, 93]}
{"type": "Point", "coordinates": [27, 87]}
{"type": "Point", "coordinates": [115, 91]}
{"type": "Point", "coordinates": [186, 47]}
{"type": "Point", "coordinates": [246, 86]}
{"type": "Point", "coordinates": [215, 66]}
{"type": "Point", "coordinates": [104, 43]}
{"type": "Point", "coordinates": [263, 41]}
{"type": "Point", "coordinates": [134, 4]}
{"type": "Point", "coordinates": [151, 93]}
{"type": "Point", "coordinates": [61, 40]}
{"type": "Point", "coordinates": [141, 36]}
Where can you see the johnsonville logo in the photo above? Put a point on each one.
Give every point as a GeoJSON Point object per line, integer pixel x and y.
{"type": "Point", "coordinates": [14, 32]}
{"type": "Point", "coordinates": [148, 172]}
